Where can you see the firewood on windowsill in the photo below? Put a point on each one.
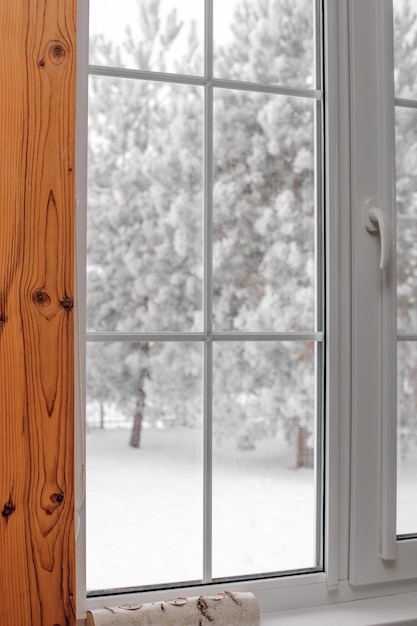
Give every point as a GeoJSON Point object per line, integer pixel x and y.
{"type": "Point", "coordinates": [223, 609]}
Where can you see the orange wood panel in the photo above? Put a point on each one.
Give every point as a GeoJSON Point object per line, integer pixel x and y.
{"type": "Point", "coordinates": [37, 147]}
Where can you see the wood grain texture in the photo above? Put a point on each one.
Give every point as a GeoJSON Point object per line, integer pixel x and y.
{"type": "Point", "coordinates": [37, 117]}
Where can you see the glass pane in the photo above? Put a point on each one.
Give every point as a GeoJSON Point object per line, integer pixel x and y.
{"type": "Point", "coordinates": [268, 41]}
{"type": "Point", "coordinates": [264, 507]}
{"type": "Point", "coordinates": [407, 438]}
{"type": "Point", "coordinates": [406, 165]}
{"type": "Point", "coordinates": [158, 35]}
{"type": "Point", "coordinates": [144, 503]}
{"type": "Point", "coordinates": [263, 248]}
{"type": "Point", "coordinates": [405, 40]}
{"type": "Point", "coordinates": [405, 48]}
{"type": "Point", "coordinates": [145, 206]}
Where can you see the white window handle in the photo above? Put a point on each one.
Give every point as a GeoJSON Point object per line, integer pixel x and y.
{"type": "Point", "coordinates": [377, 219]}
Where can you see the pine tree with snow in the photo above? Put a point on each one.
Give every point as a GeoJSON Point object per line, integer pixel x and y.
{"type": "Point", "coordinates": [146, 220]}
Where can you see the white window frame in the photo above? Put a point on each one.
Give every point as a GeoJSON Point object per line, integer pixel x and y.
{"type": "Point", "coordinates": [376, 556]}
{"type": "Point", "coordinates": [363, 559]}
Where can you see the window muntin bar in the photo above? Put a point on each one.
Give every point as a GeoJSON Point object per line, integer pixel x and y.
{"type": "Point", "coordinates": [208, 297]}
{"type": "Point", "coordinates": [96, 70]}
{"type": "Point", "coordinates": [234, 336]}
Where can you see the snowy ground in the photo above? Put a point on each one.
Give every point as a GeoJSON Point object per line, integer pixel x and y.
{"type": "Point", "coordinates": [144, 517]}
{"type": "Point", "coordinates": [407, 494]}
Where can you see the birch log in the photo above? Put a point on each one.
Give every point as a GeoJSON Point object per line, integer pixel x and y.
{"type": "Point", "coordinates": [223, 609]}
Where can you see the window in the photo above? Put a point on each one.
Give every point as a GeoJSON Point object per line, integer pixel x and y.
{"type": "Point", "coordinates": [237, 313]}
{"type": "Point", "coordinates": [204, 294]}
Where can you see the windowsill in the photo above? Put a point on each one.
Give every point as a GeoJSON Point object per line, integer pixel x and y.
{"type": "Point", "coordinates": [398, 609]}
{"type": "Point", "coordinates": [385, 610]}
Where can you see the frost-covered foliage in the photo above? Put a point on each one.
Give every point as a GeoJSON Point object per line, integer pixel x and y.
{"type": "Point", "coordinates": [146, 221]}
{"type": "Point", "coordinates": [144, 226]}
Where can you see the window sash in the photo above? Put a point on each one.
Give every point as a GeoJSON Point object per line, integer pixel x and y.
{"type": "Point", "coordinates": [355, 489]}
{"type": "Point", "coordinates": [208, 336]}
{"type": "Point", "coordinates": [373, 294]}
{"type": "Point", "coordinates": [376, 555]}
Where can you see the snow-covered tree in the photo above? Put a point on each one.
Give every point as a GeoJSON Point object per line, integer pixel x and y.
{"type": "Point", "coordinates": [146, 219]}
{"type": "Point", "coordinates": [145, 215]}
{"type": "Point", "coordinates": [145, 226]}
{"type": "Point", "coordinates": [264, 223]}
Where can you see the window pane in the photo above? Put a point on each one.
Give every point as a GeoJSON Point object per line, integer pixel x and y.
{"type": "Point", "coordinates": [406, 161]}
{"type": "Point", "coordinates": [150, 199]}
{"type": "Point", "coordinates": [405, 47]}
{"type": "Point", "coordinates": [145, 204]}
{"type": "Point", "coordinates": [268, 41]}
{"type": "Point", "coordinates": [163, 36]}
{"type": "Point", "coordinates": [144, 503]}
{"type": "Point", "coordinates": [264, 500]}
{"type": "Point", "coordinates": [405, 39]}
{"type": "Point", "coordinates": [263, 245]}
{"type": "Point", "coordinates": [407, 438]}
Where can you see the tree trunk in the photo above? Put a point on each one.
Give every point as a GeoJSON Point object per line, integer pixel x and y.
{"type": "Point", "coordinates": [305, 453]}
{"type": "Point", "coordinates": [136, 429]}
{"type": "Point", "coordinates": [223, 609]}
{"type": "Point", "coordinates": [102, 415]}
{"type": "Point", "coordinates": [140, 409]}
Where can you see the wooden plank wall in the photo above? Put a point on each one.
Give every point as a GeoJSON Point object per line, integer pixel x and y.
{"type": "Point", "coordinates": [37, 111]}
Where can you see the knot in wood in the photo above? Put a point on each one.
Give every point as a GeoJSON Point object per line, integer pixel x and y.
{"type": "Point", "coordinates": [57, 498]}
{"type": "Point", "coordinates": [41, 63]}
{"type": "Point", "coordinates": [8, 509]}
{"type": "Point", "coordinates": [41, 297]}
{"type": "Point", "coordinates": [57, 53]}
{"type": "Point", "coordinates": [67, 304]}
